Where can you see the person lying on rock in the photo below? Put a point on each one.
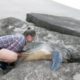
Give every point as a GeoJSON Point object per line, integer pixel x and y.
{"type": "Point", "coordinates": [11, 46]}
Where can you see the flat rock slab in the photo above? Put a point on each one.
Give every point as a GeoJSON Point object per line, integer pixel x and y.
{"type": "Point", "coordinates": [55, 23]}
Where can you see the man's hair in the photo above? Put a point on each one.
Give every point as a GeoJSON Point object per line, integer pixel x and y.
{"type": "Point", "coordinates": [29, 32]}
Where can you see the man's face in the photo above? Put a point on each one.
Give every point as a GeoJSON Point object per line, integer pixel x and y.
{"type": "Point", "coordinates": [30, 34]}
{"type": "Point", "coordinates": [29, 38]}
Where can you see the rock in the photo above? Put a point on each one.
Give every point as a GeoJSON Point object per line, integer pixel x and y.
{"type": "Point", "coordinates": [30, 71]}
{"type": "Point", "coordinates": [40, 70]}
{"type": "Point", "coordinates": [76, 76]}
{"type": "Point", "coordinates": [55, 23]}
{"type": "Point", "coordinates": [13, 25]}
{"type": "Point", "coordinates": [8, 25]}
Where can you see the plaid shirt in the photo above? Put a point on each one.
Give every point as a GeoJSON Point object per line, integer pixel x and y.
{"type": "Point", "coordinates": [13, 42]}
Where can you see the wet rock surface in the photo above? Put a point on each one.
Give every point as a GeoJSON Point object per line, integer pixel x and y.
{"type": "Point", "coordinates": [40, 70]}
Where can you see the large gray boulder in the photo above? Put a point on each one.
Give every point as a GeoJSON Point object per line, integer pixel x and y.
{"type": "Point", "coordinates": [63, 25]}
{"type": "Point", "coordinates": [40, 70]}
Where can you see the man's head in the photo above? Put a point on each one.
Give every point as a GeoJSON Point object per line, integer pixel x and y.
{"type": "Point", "coordinates": [29, 34]}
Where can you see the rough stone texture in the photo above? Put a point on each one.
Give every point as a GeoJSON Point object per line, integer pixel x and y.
{"type": "Point", "coordinates": [13, 25]}
{"type": "Point", "coordinates": [60, 24]}
{"type": "Point", "coordinates": [40, 70]}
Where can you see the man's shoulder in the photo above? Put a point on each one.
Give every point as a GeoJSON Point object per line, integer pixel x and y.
{"type": "Point", "coordinates": [19, 35]}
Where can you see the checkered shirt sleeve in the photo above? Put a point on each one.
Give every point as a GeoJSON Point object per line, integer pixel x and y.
{"type": "Point", "coordinates": [13, 42]}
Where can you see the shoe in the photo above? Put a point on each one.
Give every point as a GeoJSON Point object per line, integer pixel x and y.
{"type": "Point", "coordinates": [56, 60]}
{"type": "Point", "coordinates": [3, 65]}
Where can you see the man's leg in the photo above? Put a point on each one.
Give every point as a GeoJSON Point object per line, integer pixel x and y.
{"type": "Point", "coordinates": [8, 56]}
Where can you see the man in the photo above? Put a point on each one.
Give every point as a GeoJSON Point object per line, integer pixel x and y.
{"type": "Point", "coordinates": [11, 46]}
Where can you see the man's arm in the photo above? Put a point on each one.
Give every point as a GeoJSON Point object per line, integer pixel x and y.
{"type": "Point", "coordinates": [18, 43]}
